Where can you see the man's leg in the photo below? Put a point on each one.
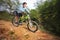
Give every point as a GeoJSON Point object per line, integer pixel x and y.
{"type": "Point", "coordinates": [16, 17]}
{"type": "Point", "coordinates": [20, 15]}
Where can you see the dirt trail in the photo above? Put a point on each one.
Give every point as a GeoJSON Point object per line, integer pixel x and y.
{"type": "Point", "coordinates": [24, 34]}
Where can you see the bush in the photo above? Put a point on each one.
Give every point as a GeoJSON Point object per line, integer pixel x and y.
{"type": "Point", "coordinates": [5, 16]}
{"type": "Point", "coordinates": [50, 16]}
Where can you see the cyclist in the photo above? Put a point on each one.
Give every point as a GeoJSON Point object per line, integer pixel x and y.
{"type": "Point", "coordinates": [21, 10]}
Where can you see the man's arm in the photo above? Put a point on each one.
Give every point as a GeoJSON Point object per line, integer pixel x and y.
{"type": "Point", "coordinates": [27, 10]}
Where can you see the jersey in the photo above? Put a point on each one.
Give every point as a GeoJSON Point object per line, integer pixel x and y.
{"type": "Point", "coordinates": [20, 9]}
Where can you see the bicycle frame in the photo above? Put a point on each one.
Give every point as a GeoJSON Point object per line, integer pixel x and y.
{"type": "Point", "coordinates": [24, 17]}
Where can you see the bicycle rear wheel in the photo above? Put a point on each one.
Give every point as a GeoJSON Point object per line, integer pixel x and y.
{"type": "Point", "coordinates": [14, 22]}
{"type": "Point", "coordinates": [32, 27]}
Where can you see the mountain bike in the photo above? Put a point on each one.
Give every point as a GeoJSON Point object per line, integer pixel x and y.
{"type": "Point", "coordinates": [31, 25]}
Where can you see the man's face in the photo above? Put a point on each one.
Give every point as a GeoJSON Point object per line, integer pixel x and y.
{"type": "Point", "coordinates": [25, 5]}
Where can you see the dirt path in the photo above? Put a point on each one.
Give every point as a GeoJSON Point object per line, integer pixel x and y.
{"type": "Point", "coordinates": [24, 34]}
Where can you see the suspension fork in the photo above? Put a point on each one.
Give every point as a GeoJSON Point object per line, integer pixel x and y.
{"type": "Point", "coordinates": [29, 21]}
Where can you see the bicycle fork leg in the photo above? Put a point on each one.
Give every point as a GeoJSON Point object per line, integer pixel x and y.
{"type": "Point", "coordinates": [30, 23]}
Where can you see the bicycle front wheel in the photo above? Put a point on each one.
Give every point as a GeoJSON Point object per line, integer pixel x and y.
{"type": "Point", "coordinates": [33, 26]}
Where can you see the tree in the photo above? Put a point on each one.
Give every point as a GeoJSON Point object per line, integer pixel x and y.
{"type": "Point", "coordinates": [35, 15]}
{"type": "Point", "coordinates": [50, 15]}
{"type": "Point", "coordinates": [4, 14]}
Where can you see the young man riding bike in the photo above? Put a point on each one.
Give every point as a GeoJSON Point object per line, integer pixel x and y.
{"type": "Point", "coordinates": [21, 10]}
{"type": "Point", "coordinates": [20, 14]}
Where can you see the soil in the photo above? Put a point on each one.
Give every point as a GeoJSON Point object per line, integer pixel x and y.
{"type": "Point", "coordinates": [10, 32]}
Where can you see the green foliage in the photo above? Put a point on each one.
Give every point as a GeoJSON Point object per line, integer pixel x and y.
{"type": "Point", "coordinates": [50, 15]}
{"type": "Point", "coordinates": [1, 0]}
{"type": "Point", "coordinates": [35, 15]}
{"type": "Point", "coordinates": [5, 16]}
